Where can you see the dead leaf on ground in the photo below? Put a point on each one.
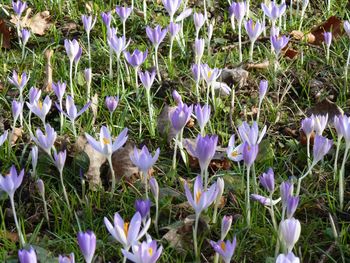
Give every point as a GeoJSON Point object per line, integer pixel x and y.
{"type": "Point", "coordinates": [326, 107]}
{"type": "Point", "coordinates": [332, 24]}
{"type": "Point", "coordinates": [5, 34]}
{"type": "Point", "coordinates": [17, 133]}
{"type": "Point", "coordinates": [94, 107]}
{"type": "Point", "coordinates": [235, 76]}
{"type": "Point", "coordinates": [48, 71]}
{"type": "Point", "coordinates": [263, 65]}
{"type": "Point", "coordinates": [164, 124]}
{"type": "Point", "coordinates": [291, 53]}
{"type": "Point", "coordinates": [13, 237]}
{"type": "Point", "coordinates": [38, 24]}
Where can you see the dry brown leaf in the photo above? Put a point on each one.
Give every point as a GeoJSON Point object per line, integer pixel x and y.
{"type": "Point", "coordinates": [48, 71]}
{"type": "Point", "coordinates": [325, 107]}
{"type": "Point", "coordinates": [94, 107]}
{"type": "Point", "coordinates": [164, 124]}
{"type": "Point", "coordinates": [291, 53]}
{"type": "Point", "coordinates": [263, 65]}
{"type": "Point", "coordinates": [332, 24]}
{"type": "Point", "coordinates": [5, 34]}
{"type": "Point", "coordinates": [297, 34]}
{"type": "Point", "coordinates": [235, 76]}
{"type": "Point", "coordinates": [13, 237]}
{"type": "Point", "coordinates": [37, 24]}
{"type": "Point", "coordinates": [17, 134]}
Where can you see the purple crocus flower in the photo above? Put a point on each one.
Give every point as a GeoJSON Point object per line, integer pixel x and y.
{"type": "Point", "coordinates": [238, 10]}
{"type": "Point", "coordinates": [250, 152]}
{"type": "Point", "coordinates": [177, 97]}
{"type": "Point", "coordinates": [72, 49]}
{"type": "Point", "coordinates": [147, 78]}
{"type": "Point", "coordinates": [225, 226]}
{"type": "Point", "coordinates": [87, 244]}
{"type": "Point", "coordinates": [199, 20]}
{"type": "Point", "coordinates": [180, 116]}
{"type": "Point", "coordinates": [201, 199]}
{"type": "Point", "coordinates": [147, 251]}
{"type": "Point", "coordinates": [127, 234]}
{"type": "Point", "coordinates": [3, 137]}
{"type": "Point", "coordinates": [341, 123]}
{"type": "Point", "coordinates": [202, 115]}
{"type": "Point", "coordinates": [41, 186]}
{"type": "Point", "coordinates": [287, 258]}
{"type": "Point", "coordinates": [59, 88]}
{"type": "Point", "coordinates": [66, 259]}
{"type": "Point", "coordinates": [136, 58]}
{"type": "Point", "coordinates": [123, 12]}
{"type": "Point", "coordinates": [17, 108]}
{"type": "Point", "coordinates": [307, 125]}
{"type": "Point", "coordinates": [154, 187]}
{"type": "Point", "coordinates": [278, 43]}
{"type": "Point", "coordinates": [266, 201]}
{"type": "Point", "coordinates": [45, 142]}
{"type": "Point", "coordinates": [320, 123]}
{"type": "Point", "coordinates": [88, 75]}
{"type": "Point", "coordinates": [209, 75]}
{"type": "Point", "coordinates": [292, 204]}
{"type": "Point", "coordinates": [199, 48]}
{"type": "Point", "coordinates": [203, 150]}
{"type": "Point", "coordinates": [34, 154]}
{"type": "Point", "coordinates": [143, 158]}
{"type": "Point", "coordinates": [12, 181]}
{"type": "Point", "coordinates": [72, 112]}
{"type": "Point", "coordinates": [183, 15]}
{"type": "Point", "coordinates": [196, 71]}
{"type": "Point", "coordinates": [253, 30]}
{"type": "Point", "coordinates": [19, 7]}
{"type": "Point", "coordinates": [88, 23]}
{"type": "Point", "coordinates": [39, 108]}
{"type": "Point", "coordinates": [111, 103]}
{"type": "Point", "coordinates": [25, 36]}
{"type": "Point", "coordinates": [322, 145]}
{"type": "Point", "coordinates": [347, 27]}
{"type": "Point", "coordinates": [225, 249]}
{"type": "Point", "coordinates": [290, 232]}
{"type": "Point", "coordinates": [286, 190]}
{"type": "Point", "coordinates": [234, 153]}
{"type": "Point", "coordinates": [262, 89]}
{"type": "Point", "coordinates": [250, 134]}
{"type": "Point", "coordinates": [171, 7]}
{"type": "Point", "coordinates": [19, 81]}
{"type": "Point", "coordinates": [174, 29]}
{"type": "Point", "coordinates": [327, 38]}
{"type": "Point", "coordinates": [34, 94]}
{"type": "Point", "coordinates": [267, 180]}
{"type": "Point", "coordinates": [27, 256]}
{"type": "Point", "coordinates": [156, 35]}
{"type": "Point", "coordinates": [78, 56]}
{"type": "Point", "coordinates": [273, 11]}
{"type": "Point", "coordinates": [118, 44]}
{"type": "Point", "coordinates": [143, 207]}
{"type": "Point", "coordinates": [105, 146]}
{"type": "Point", "coordinates": [106, 18]}
{"type": "Point", "coordinates": [60, 159]}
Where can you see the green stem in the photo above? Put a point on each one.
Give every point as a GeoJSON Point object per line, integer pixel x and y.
{"type": "Point", "coordinates": [89, 49]}
{"type": "Point", "coordinates": [157, 65]}
{"type": "Point", "coordinates": [156, 217]}
{"type": "Point", "coordinates": [302, 177]}
{"type": "Point", "coordinates": [341, 178]}
{"type": "Point", "coordinates": [112, 173]}
{"type": "Point", "coordinates": [195, 240]}
{"type": "Point", "coordinates": [175, 151]}
{"type": "Point", "coordinates": [21, 238]}
{"type": "Point", "coordinates": [64, 189]}
{"type": "Point", "coordinates": [71, 78]}
{"type": "Point", "coordinates": [248, 197]}
{"type": "Point", "coordinates": [45, 209]}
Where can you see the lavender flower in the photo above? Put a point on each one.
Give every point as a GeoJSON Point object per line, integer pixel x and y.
{"type": "Point", "coordinates": [290, 232]}
{"type": "Point", "coordinates": [174, 29]}
{"type": "Point", "coordinates": [250, 134]}
{"type": "Point", "coordinates": [286, 190]}
{"type": "Point", "coordinates": [11, 182]}
{"type": "Point", "coordinates": [87, 245]}
{"type": "Point", "coordinates": [202, 115]}
{"type": "Point", "coordinates": [143, 207]}
{"type": "Point", "coordinates": [278, 43]}
{"type": "Point", "coordinates": [262, 89]}
{"type": "Point", "coordinates": [118, 44]}
{"type": "Point", "coordinates": [292, 204]}
{"type": "Point", "coordinates": [225, 249]}
{"type": "Point", "coordinates": [147, 251]}
{"type": "Point", "coordinates": [327, 38]}
{"type": "Point", "coordinates": [72, 49]}
{"type": "Point", "coordinates": [347, 27]}
{"type": "Point", "coordinates": [111, 103]}
{"type": "Point", "coordinates": [238, 10]}
{"type": "Point", "coordinates": [106, 18]}
{"type": "Point", "coordinates": [320, 123]}
{"type": "Point", "coordinates": [72, 112]}
{"type": "Point", "coordinates": [123, 12]}
{"type": "Point", "coordinates": [66, 259]}
{"type": "Point", "coordinates": [27, 256]}
{"type": "Point", "coordinates": [41, 109]}
{"type": "Point", "coordinates": [45, 142]}
{"type": "Point", "coordinates": [266, 201]}
{"type": "Point", "coordinates": [60, 159]}
{"type": "Point", "coordinates": [322, 146]}
{"type": "Point", "coordinates": [287, 258]}
{"type": "Point", "coordinates": [25, 36]}
{"type": "Point", "coordinates": [59, 88]}
{"type": "Point", "coordinates": [19, 7]}
{"type": "Point", "coordinates": [253, 31]}
{"type": "Point", "coordinates": [225, 226]}
{"type": "Point", "coordinates": [34, 155]}
{"type": "Point", "coordinates": [17, 108]}
{"type": "Point", "coordinates": [156, 35]}
{"type": "Point", "coordinates": [171, 7]}
{"type": "Point", "coordinates": [267, 180]}
{"type": "Point", "coordinates": [199, 48]}
{"type": "Point", "coordinates": [3, 137]}
{"type": "Point", "coordinates": [199, 20]}
{"type": "Point", "coordinates": [273, 11]}
{"type": "Point", "coordinates": [209, 75]}
{"type": "Point", "coordinates": [249, 153]}
{"type": "Point", "coordinates": [307, 125]}
{"type": "Point", "coordinates": [143, 159]}
{"type": "Point", "coordinates": [234, 153]}
{"type": "Point", "coordinates": [147, 78]}
{"type": "Point", "coordinates": [35, 94]}
{"type": "Point", "coordinates": [19, 81]}
{"type": "Point", "coordinates": [88, 23]}
{"type": "Point", "coordinates": [136, 58]}
{"type": "Point", "coordinates": [180, 116]}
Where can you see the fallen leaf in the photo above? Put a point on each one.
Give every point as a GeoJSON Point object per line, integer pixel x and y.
{"type": "Point", "coordinates": [235, 76]}
{"type": "Point", "coordinates": [5, 34]}
{"type": "Point", "coordinates": [38, 24]}
{"type": "Point", "coordinates": [325, 107]}
{"type": "Point", "coordinates": [164, 124]}
{"type": "Point", "coordinates": [94, 107]}
{"type": "Point", "coordinates": [297, 34]}
{"type": "Point", "coordinates": [48, 71]}
{"type": "Point", "coordinates": [6, 235]}
{"type": "Point", "coordinates": [332, 24]}
{"type": "Point", "coordinates": [17, 133]}
{"type": "Point", "coordinates": [291, 53]}
{"type": "Point", "coordinates": [263, 65]}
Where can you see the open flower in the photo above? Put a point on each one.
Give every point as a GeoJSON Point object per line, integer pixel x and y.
{"type": "Point", "coordinates": [12, 181]}
{"type": "Point", "coordinates": [45, 141]}
{"type": "Point", "coordinates": [136, 58]}
{"type": "Point", "coordinates": [156, 35]}
{"type": "Point", "coordinates": [40, 108]}
{"type": "Point", "coordinates": [19, 81]}
{"type": "Point", "coordinates": [147, 78]}
{"type": "Point", "coordinates": [118, 44]}
{"type": "Point", "coordinates": [143, 158]}
{"type": "Point", "coordinates": [278, 43]}
{"type": "Point", "coordinates": [225, 249]}
{"type": "Point", "coordinates": [202, 115]}
{"type": "Point", "coordinates": [180, 116]}
{"type": "Point", "coordinates": [123, 12]}
{"type": "Point", "coordinates": [171, 6]}
{"type": "Point", "coordinates": [320, 123]}
{"type": "Point", "coordinates": [273, 11]}
{"type": "Point", "coordinates": [72, 112]}
{"type": "Point", "coordinates": [250, 134]}
{"type": "Point", "coordinates": [253, 30]}
{"type": "Point", "coordinates": [146, 252]}
{"type": "Point", "coordinates": [234, 153]}
{"type": "Point", "coordinates": [3, 137]}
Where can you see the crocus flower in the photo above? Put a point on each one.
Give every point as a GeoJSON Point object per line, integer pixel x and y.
{"type": "Point", "coordinates": [262, 89]}
{"type": "Point", "coordinates": [143, 158]}
{"type": "Point", "coordinates": [327, 38]}
{"type": "Point", "coordinates": [77, 57]}
{"type": "Point", "coordinates": [27, 256]}
{"type": "Point", "coordinates": [250, 152]}
{"type": "Point", "coordinates": [253, 30]}
{"type": "Point", "coordinates": [118, 44]}
{"type": "Point", "coordinates": [225, 226]}
{"type": "Point", "coordinates": [127, 234]}
{"type": "Point", "coordinates": [72, 49]}
{"type": "Point", "coordinates": [266, 201]}
{"type": "Point", "coordinates": [45, 142]}
{"type": "Point", "coordinates": [66, 259]}
{"type": "Point", "coordinates": [123, 12]}
{"type": "Point", "coordinates": [322, 145]}
{"type": "Point", "coordinates": [201, 199]}
{"type": "Point", "coordinates": [111, 103]}
{"type": "Point", "coordinates": [290, 232]}
{"type": "Point", "coordinates": [320, 123]}
{"type": "Point", "coordinates": [154, 187]}
{"type": "Point", "coordinates": [250, 134]}
{"type": "Point", "coordinates": [19, 7]}
{"type": "Point", "coordinates": [286, 190]}
{"type": "Point", "coordinates": [19, 81]}
{"type": "Point", "coordinates": [202, 115]}
{"type": "Point", "coordinates": [12, 181]}
{"type": "Point", "coordinates": [278, 43]}
{"type": "Point", "coordinates": [87, 245]}
{"type": "Point", "coordinates": [106, 18]}
{"type": "Point", "coordinates": [60, 159]}
{"type": "Point", "coordinates": [88, 75]}
{"type": "Point", "coordinates": [34, 155]}
{"type": "Point", "coordinates": [209, 75]}
{"type": "Point", "coordinates": [35, 94]}
{"type": "Point", "coordinates": [292, 204]}
{"type": "Point", "coordinates": [105, 146]}
{"type": "Point", "coordinates": [347, 27]}
{"type": "Point", "coordinates": [136, 58]}
{"type": "Point", "coordinates": [225, 249]}
{"type": "Point", "coordinates": [25, 36]}
{"type": "Point", "coordinates": [17, 108]}
{"type": "Point", "coordinates": [204, 150]}
{"type": "Point", "coordinates": [72, 112]}
{"type": "Point", "coordinates": [234, 153]}
{"type": "Point", "coordinates": [238, 10]}
{"type": "Point", "coordinates": [147, 78]}
{"type": "Point", "coordinates": [199, 44]}
{"type": "Point", "coordinates": [171, 7]}
{"type": "Point", "coordinates": [88, 23]}
{"type": "Point", "coordinates": [199, 20]}
{"type": "Point", "coordinates": [183, 15]}
{"type": "Point", "coordinates": [41, 186]}
{"type": "Point", "coordinates": [40, 109]}
{"type": "Point", "coordinates": [273, 11]}
{"type": "Point", "coordinates": [174, 29]}
{"type": "Point", "coordinates": [147, 251]}
{"type": "Point", "coordinates": [196, 71]}
{"type": "Point", "coordinates": [59, 88]}
{"type": "Point", "coordinates": [177, 97]}
{"type": "Point", "coordinates": [287, 258]}
{"type": "Point", "coordinates": [3, 137]}
{"type": "Point", "coordinates": [307, 125]}
{"type": "Point", "coordinates": [143, 207]}
{"type": "Point", "coordinates": [180, 116]}
{"type": "Point", "coordinates": [267, 180]}
{"type": "Point", "coordinates": [156, 35]}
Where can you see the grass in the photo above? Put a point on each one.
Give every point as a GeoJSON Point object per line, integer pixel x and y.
{"type": "Point", "coordinates": [278, 150]}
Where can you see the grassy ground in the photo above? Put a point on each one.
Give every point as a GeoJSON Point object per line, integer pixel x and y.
{"type": "Point", "coordinates": [280, 149]}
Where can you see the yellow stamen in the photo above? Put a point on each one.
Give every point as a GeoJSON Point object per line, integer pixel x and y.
{"type": "Point", "coordinates": [19, 79]}
{"type": "Point", "coordinates": [223, 246]}
{"type": "Point", "coordinates": [198, 196]}
{"type": "Point", "coordinates": [40, 104]}
{"type": "Point", "coordinates": [150, 251]}
{"type": "Point", "coordinates": [209, 74]}
{"type": "Point", "coordinates": [126, 228]}
{"type": "Point", "coordinates": [234, 154]}
{"type": "Point", "coordinates": [106, 141]}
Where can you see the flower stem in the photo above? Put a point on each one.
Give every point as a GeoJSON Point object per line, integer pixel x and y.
{"type": "Point", "coordinates": [156, 217]}
{"type": "Point", "coordinates": [175, 151]}
{"type": "Point", "coordinates": [150, 111]}
{"type": "Point", "coordinates": [64, 189]}
{"type": "Point", "coordinates": [74, 129]}
{"type": "Point", "coordinates": [21, 238]}
{"type": "Point", "coordinates": [302, 177]}
{"type": "Point", "coordinates": [251, 51]}
{"type": "Point", "coordinates": [341, 178]}
{"type": "Point", "coordinates": [171, 49]}
{"type": "Point", "coordinates": [112, 173]}
{"type": "Point", "coordinates": [89, 49]}
{"type": "Point", "coordinates": [248, 197]}
{"type": "Point", "coordinates": [71, 78]}
{"type": "Point", "coordinates": [157, 65]}
{"type": "Point", "coordinates": [195, 240]}
{"type": "Point", "coordinates": [110, 63]}
{"type": "Point", "coordinates": [240, 41]}
{"type": "Point", "coordinates": [336, 159]}
{"type": "Point", "coordinates": [61, 118]}
{"type": "Point", "coordinates": [45, 209]}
